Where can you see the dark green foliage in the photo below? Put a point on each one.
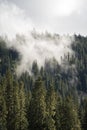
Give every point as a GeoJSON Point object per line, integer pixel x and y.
{"type": "Point", "coordinates": [30, 104]}
{"type": "Point", "coordinates": [3, 110]}
{"type": "Point", "coordinates": [67, 116]}
{"type": "Point", "coordinates": [23, 123]}
{"type": "Point", "coordinates": [35, 69]}
{"type": "Point", "coordinates": [51, 101]}
{"type": "Point", "coordinates": [84, 123]}
{"type": "Point", "coordinates": [16, 109]}
{"type": "Point", "coordinates": [37, 107]}
{"type": "Point", "coordinates": [9, 99]}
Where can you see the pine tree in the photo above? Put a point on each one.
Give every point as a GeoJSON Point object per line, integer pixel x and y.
{"type": "Point", "coordinates": [23, 123]}
{"type": "Point", "coordinates": [37, 108]}
{"type": "Point", "coordinates": [58, 114]}
{"type": "Point", "coordinates": [35, 69]}
{"type": "Point", "coordinates": [9, 99]}
{"type": "Point", "coordinates": [67, 116]}
{"type": "Point", "coordinates": [84, 123]}
{"type": "Point", "coordinates": [28, 99]}
{"type": "Point", "coordinates": [16, 108]}
{"type": "Point", "coordinates": [51, 107]}
{"type": "Point", "coordinates": [3, 110]}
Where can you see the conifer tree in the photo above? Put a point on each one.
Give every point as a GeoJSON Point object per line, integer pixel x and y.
{"type": "Point", "coordinates": [16, 108]}
{"type": "Point", "coordinates": [9, 99]}
{"type": "Point", "coordinates": [84, 123]}
{"type": "Point", "coordinates": [35, 69]}
{"type": "Point", "coordinates": [51, 107]}
{"type": "Point", "coordinates": [38, 107]}
{"type": "Point", "coordinates": [3, 110]}
{"type": "Point", "coordinates": [28, 99]}
{"type": "Point", "coordinates": [67, 116]}
{"type": "Point", "coordinates": [23, 123]}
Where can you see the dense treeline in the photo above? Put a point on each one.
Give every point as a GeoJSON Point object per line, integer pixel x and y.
{"type": "Point", "coordinates": [52, 98]}
{"type": "Point", "coordinates": [40, 109]}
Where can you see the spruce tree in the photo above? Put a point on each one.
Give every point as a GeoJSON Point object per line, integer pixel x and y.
{"type": "Point", "coordinates": [16, 108]}
{"type": "Point", "coordinates": [51, 108]}
{"type": "Point", "coordinates": [3, 110]}
{"type": "Point", "coordinates": [84, 122]}
{"type": "Point", "coordinates": [9, 99]}
{"type": "Point", "coordinates": [37, 108]}
{"type": "Point", "coordinates": [23, 123]}
{"type": "Point", "coordinates": [67, 116]}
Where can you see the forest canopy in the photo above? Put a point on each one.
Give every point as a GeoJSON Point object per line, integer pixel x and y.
{"type": "Point", "coordinates": [51, 97]}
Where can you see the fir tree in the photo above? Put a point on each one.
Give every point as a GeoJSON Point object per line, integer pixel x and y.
{"type": "Point", "coordinates": [84, 123]}
{"type": "Point", "coordinates": [67, 116]}
{"type": "Point", "coordinates": [16, 108]}
{"type": "Point", "coordinates": [51, 107]}
{"type": "Point", "coordinates": [23, 123]}
{"type": "Point", "coordinates": [38, 107]}
{"type": "Point", "coordinates": [3, 110]}
{"type": "Point", "coordinates": [9, 100]}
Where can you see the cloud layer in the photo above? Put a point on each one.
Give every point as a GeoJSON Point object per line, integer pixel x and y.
{"type": "Point", "coordinates": [13, 20]}
{"type": "Point", "coordinates": [30, 45]}
{"type": "Point", "coordinates": [61, 16]}
{"type": "Point", "coordinates": [40, 49]}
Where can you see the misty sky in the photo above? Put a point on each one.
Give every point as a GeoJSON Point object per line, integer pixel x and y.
{"type": "Point", "coordinates": [60, 16]}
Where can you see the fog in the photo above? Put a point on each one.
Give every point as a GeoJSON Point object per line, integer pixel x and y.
{"type": "Point", "coordinates": [32, 44]}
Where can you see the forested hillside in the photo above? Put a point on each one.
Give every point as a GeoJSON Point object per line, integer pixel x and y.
{"type": "Point", "coordinates": [53, 97]}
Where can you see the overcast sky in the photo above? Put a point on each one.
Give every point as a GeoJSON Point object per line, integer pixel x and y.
{"type": "Point", "coordinates": [60, 16]}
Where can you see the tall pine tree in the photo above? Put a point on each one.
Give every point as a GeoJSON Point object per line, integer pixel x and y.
{"type": "Point", "coordinates": [23, 123]}
{"type": "Point", "coordinates": [37, 108]}
{"type": "Point", "coordinates": [3, 110]}
{"type": "Point", "coordinates": [9, 99]}
{"type": "Point", "coordinates": [67, 116]}
{"type": "Point", "coordinates": [51, 108]}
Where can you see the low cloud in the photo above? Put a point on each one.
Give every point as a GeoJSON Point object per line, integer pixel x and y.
{"type": "Point", "coordinates": [30, 44]}
{"type": "Point", "coordinates": [13, 20]}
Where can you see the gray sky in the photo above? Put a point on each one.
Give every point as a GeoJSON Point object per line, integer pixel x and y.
{"type": "Point", "coordinates": [60, 16]}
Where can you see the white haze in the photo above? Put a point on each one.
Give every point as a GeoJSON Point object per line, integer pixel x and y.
{"type": "Point", "coordinates": [13, 20]}
{"type": "Point", "coordinates": [61, 16]}
{"type": "Point", "coordinates": [30, 46]}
